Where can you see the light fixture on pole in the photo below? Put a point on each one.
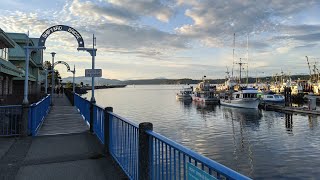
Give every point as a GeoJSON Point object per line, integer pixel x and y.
{"type": "Point", "coordinates": [73, 72]}
{"type": "Point", "coordinates": [92, 52]}
{"type": "Point", "coordinates": [52, 76]}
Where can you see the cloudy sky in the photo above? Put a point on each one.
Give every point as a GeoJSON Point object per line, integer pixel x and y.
{"type": "Point", "coordinates": [138, 39]}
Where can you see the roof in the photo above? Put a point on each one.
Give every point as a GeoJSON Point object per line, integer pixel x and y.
{"type": "Point", "coordinates": [5, 41]}
{"type": "Point", "coordinates": [20, 38]}
{"type": "Point", "coordinates": [8, 68]}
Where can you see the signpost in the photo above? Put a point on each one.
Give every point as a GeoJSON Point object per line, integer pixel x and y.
{"type": "Point", "coordinates": [93, 73]}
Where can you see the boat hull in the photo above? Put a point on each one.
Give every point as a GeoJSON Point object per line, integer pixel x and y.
{"type": "Point", "coordinates": [242, 103]}
{"type": "Point", "coordinates": [184, 97]}
{"type": "Point", "coordinates": [205, 100]}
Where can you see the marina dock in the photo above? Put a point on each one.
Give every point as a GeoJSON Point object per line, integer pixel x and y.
{"type": "Point", "coordinates": [289, 109]}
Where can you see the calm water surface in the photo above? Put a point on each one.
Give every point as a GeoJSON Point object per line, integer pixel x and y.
{"type": "Point", "coordinates": [259, 144]}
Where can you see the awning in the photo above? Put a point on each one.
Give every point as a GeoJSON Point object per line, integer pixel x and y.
{"type": "Point", "coordinates": [31, 78]}
{"type": "Point", "coordinates": [7, 67]}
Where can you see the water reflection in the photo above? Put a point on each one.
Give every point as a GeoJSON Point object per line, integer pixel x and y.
{"type": "Point", "coordinates": [313, 122]}
{"type": "Point", "coordinates": [241, 119]}
{"type": "Point", "coordinates": [289, 123]}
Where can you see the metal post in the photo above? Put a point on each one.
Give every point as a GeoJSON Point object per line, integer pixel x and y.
{"type": "Point", "coordinates": [107, 134]}
{"type": "Point", "coordinates": [26, 79]}
{"type": "Point", "coordinates": [91, 117]}
{"type": "Point", "coordinates": [74, 72]}
{"type": "Point", "coordinates": [92, 78]}
{"type": "Point", "coordinates": [52, 77]}
{"type": "Point", "coordinates": [144, 151]}
{"type": "Point", "coordinates": [25, 120]}
{"type": "Point", "coordinates": [46, 86]}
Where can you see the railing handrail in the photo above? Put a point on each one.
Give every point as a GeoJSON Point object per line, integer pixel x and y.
{"type": "Point", "coordinates": [10, 106]}
{"type": "Point", "coordinates": [202, 159]}
{"type": "Point", "coordinates": [124, 119]}
{"type": "Point", "coordinates": [37, 103]}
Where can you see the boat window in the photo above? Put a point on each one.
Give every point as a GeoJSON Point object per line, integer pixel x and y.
{"type": "Point", "coordinates": [276, 96]}
{"type": "Point", "coordinates": [269, 96]}
{"type": "Point", "coordinates": [238, 95]}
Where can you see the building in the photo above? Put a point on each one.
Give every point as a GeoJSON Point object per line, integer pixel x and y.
{"type": "Point", "coordinates": [8, 71]}
{"type": "Point", "coordinates": [17, 56]}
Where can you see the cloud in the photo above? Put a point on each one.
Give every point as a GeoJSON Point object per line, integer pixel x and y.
{"type": "Point", "coordinates": [214, 22]}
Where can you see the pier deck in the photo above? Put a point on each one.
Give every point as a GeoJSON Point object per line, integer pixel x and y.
{"type": "Point", "coordinates": [63, 149]}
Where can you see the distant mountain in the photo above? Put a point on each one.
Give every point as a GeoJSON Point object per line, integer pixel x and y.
{"type": "Point", "coordinates": [98, 81]}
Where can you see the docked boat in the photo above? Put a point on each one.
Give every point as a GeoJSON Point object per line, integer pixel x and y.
{"type": "Point", "coordinates": [205, 93]}
{"type": "Point", "coordinates": [184, 94]}
{"type": "Point", "coordinates": [272, 98]}
{"type": "Point", "coordinates": [245, 98]}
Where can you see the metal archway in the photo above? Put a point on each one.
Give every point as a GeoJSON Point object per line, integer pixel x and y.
{"type": "Point", "coordinates": [50, 30]}
{"type": "Point", "coordinates": [62, 62]}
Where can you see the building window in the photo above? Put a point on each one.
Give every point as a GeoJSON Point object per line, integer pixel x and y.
{"type": "Point", "coordinates": [4, 53]}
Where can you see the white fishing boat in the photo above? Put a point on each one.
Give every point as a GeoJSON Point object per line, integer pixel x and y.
{"type": "Point", "coordinates": [273, 98]}
{"type": "Point", "coordinates": [184, 94]}
{"type": "Point", "coordinates": [205, 92]}
{"type": "Point", "coordinates": [246, 98]}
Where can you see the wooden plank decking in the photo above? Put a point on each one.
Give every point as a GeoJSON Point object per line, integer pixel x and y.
{"type": "Point", "coordinates": [62, 119]}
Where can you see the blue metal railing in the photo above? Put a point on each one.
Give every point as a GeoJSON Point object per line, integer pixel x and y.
{"type": "Point", "coordinates": [124, 139]}
{"type": "Point", "coordinates": [84, 107]}
{"type": "Point", "coordinates": [98, 122]}
{"type": "Point", "coordinates": [37, 113]}
{"type": "Point", "coordinates": [10, 120]}
{"type": "Point", "coordinates": [169, 161]}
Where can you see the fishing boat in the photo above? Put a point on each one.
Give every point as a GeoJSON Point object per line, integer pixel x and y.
{"type": "Point", "coordinates": [245, 98]}
{"type": "Point", "coordinates": [184, 94]}
{"type": "Point", "coordinates": [272, 98]}
{"type": "Point", "coordinates": [205, 92]}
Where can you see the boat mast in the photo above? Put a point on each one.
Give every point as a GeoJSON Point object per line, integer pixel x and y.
{"type": "Point", "coordinates": [247, 59]}
{"type": "Point", "coordinates": [234, 44]}
{"type": "Point", "coordinates": [240, 64]}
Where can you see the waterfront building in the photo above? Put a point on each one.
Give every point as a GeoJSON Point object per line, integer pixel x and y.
{"type": "Point", "coordinates": [17, 56]}
{"type": "Point", "coordinates": [8, 71]}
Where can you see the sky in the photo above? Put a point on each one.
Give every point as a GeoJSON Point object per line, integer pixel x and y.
{"type": "Point", "coordinates": [141, 39]}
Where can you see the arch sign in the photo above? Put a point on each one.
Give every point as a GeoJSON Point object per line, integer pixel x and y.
{"type": "Point", "coordinates": [62, 62]}
{"type": "Point", "coordinates": [49, 31]}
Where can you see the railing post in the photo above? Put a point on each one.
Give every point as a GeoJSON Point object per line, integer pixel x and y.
{"type": "Point", "coordinates": [24, 120]}
{"type": "Point", "coordinates": [91, 117]}
{"type": "Point", "coordinates": [71, 95]}
{"type": "Point", "coordinates": [144, 151]}
{"type": "Point", "coordinates": [107, 128]}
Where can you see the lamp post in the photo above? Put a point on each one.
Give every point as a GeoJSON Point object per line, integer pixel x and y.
{"type": "Point", "coordinates": [73, 72]}
{"type": "Point", "coordinates": [92, 52]}
{"type": "Point", "coordinates": [52, 76]}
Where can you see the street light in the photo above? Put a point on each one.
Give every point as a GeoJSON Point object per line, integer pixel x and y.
{"type": "Point", "coordinates": [73, 72]}
{"type": "Point", "coordinates": [92, 52]}
{"type": "Point", "coordinates": [52, 76]}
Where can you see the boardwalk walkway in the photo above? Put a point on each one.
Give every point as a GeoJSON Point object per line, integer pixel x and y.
{"type": "Point", "coordinates": [57, 153]}
{"type": "Point", "coordinates": [62, 119]}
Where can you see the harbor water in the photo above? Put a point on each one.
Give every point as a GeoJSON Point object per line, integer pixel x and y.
{"type": "Point", "coordinates": [259, 144]}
